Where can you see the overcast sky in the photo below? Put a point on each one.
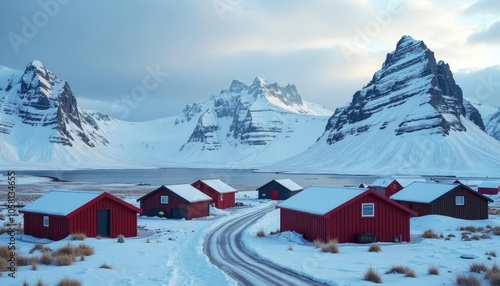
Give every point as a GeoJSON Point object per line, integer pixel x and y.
{"type": "Point", "coordinates": [171, 53]}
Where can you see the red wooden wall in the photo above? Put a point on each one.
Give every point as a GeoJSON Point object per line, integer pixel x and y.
{"type": "Point", "coordinates": [228, 198]}
{"type": "Point", "coordinates": [151, 205]}
{"type": "Point", "coordinates": [346, 222]}
{"type": "Point", "coordinates": [123, 220]}
{"type": "Point", "coordinates": [58, 226]}
{"type": "Point", "coordinates": [489, 191]}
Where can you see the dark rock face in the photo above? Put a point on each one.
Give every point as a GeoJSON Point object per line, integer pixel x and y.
{"type": "Point", "coordinates": [410, 77]}
{"type": "Point", "coordinates": [252, 119]}
{"type": "Point", "coordinates": [39, 98]}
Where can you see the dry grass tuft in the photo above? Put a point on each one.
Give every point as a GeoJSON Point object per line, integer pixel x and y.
{"type": "Point", "coordinates": [485, 236]}
{"type": "Point", "coordinates": [375, 248]}
{"type": "Point", "coordinates": [318, 243]}
{"type": "Point", "coordinates": [332, 246]}
{"type": "Point", "coordinates": [496, 230]}
{"type": "Point", "coordinates": [290, 248]}
{"type": "Point", "coordinates": [463, 280]}
{"type": "Point", "coordinates": [39, 282]}
{"type": "Point", "coordinates": [400, 269]}
{"type": "Point", "coordinates": [40, 247]}
{"type": "Point", "coordinates": [469, 228]}
{"type": "Point", "coordinates": [105, 266]}
{"type": "Point", "coordinates": [3, 264]}
{"type": "Point", "coordinates": [430, 234]}
{"type": "Point", "coordinates": [22, 260]}
{"type": "Point", "coordinates": [83, 249]}
{"type": "Point", "coordinates": [478, 267]}
{"type": "Point", "coordinates": [69, 282]}
{"type": "Point", "coordinates": [45, 259]}
{"type": "Point", "coordinates": [67, 249]}
{"type": "Point", "coordinates": [78, 236]}
{"type": "Point", "coordinates": [433, 270]}
{"type": "Point", "coordinates": [491, 253]}
{"type": "Point", "coordinates": [493, 275]}
{"type": "Point", "coordinates": [260, 233]}
{"type": "Point", "coordinates": [64, 260]}
{"type": "Point", "coordinates": [372, 275]}
{"type": "Point", "coordinates": [4, 252]}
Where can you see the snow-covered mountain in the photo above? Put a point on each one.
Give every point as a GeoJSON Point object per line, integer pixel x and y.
{"type": "Point", "coordinates": [41, 126]}
{"type": "Point", "coordinates": [491, 117]}
{"type": "Point", "coordinates": [411, 118]}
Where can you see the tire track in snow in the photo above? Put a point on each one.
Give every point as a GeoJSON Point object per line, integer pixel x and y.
{"type": "Point", "coordinates": [224, 248]}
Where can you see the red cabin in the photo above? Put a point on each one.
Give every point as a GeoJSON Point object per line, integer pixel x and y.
{"type": "Point", "coordinates": [390, 186]}
{"type": "Point", "coordinates": [454, 200]}
{"type": "Point", "coordinates": [489, 187]}
{"type": "Point", "coordinates": [60, 213]}
{"type": "Point", "coordinates": [176, 201]}
{"type": "Point", "coordinates": [346, 214]}
{"type": "Point", "coordinates": [221, 193]}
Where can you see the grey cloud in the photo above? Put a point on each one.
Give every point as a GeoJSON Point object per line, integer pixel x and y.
{"type": "Point", "coordinates": [490, 35]}
{"type": "Point", "coordinates": [484, 6]}
{"type": "Point", "coordinates": [482, 85]}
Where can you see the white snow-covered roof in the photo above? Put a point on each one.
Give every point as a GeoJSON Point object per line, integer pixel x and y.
{"type": "Point", "coordinates": [489, 184]}
{"type": "Point", "coordinates": [289, 184]}
{"type": "Point", "coordinates": [423, 192]}
{"type": "Point", "coordinates": [320, 200]}
{"type": "Point", "coordinates": [219, 186]}
{"type": "Point", "coordinates": [189, 193]}
{"type": "Point", "coordinates": [384, 182]}
{"type": "Point", "coordinates": [60, 202]}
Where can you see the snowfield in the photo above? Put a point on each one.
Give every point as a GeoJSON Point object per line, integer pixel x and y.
{"type": "Point", "coordinates": [170, 252]}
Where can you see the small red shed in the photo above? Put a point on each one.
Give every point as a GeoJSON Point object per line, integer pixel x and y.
{"type": "Point", "coordinates": [390, 186]}
{"type": "Point", "coordinates": [176, 201]}
{"type": "Point", "coordinates": [453, 200]}
{"type": "Point", "coordinates": [60, 213]}
{"type": "Point", "coordinates": [346, 214]}
{"type": "Point", "coordinates": [489, 187]}
{"type": "Point", "coordinates": [222, 194]}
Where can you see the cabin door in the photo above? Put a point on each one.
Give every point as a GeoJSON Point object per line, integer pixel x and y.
{"type": "Point", "coordinates": [103, 225]}
{"type": "Point", "coordinates": [275, 194]}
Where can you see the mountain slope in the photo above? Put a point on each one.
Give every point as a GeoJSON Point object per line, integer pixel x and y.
{"type": "Point", "coordinates": [491, 117]}
{"type": "Point", "coordinates": [41, 127]}
{"type": "Point", "coordinates": [411, 118]}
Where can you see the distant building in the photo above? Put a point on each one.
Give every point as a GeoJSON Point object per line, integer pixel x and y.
{"type": "Point", "coordinates": [279, 189]}
{"type": "Point", "coordinates": [489, 187]}
{"type": "Point", "coordinates": [222, 194]}
{"type": "Point", "coordinates": [346, 214]}
{"type": "Point", "coordinates": [176, 201]}
{"type": "Point", "coordinates": [60, 213]}
{"type": "Point", "coordinates": [454, 200]}
{"type": "Point", "coordinates": [390, 186]}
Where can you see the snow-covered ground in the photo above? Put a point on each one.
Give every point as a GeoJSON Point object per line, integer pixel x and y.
{"type": "Point", "coordinates": [169, 252]}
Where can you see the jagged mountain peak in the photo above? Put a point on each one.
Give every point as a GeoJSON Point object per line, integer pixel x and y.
{"type": "Point", "coordinates": [422, 94]}
{"type": "Point", "coordinates": [408, 41]}
{"type": "Point", "coordinates": [237, 86]}
{"type": "Point", "coordinates": [38, 98]}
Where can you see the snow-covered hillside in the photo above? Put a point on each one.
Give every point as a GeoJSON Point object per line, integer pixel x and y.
{"type": "Point", "coordinates": [41, 127]}
{"type": "Point", "coordinates": [411, 118]}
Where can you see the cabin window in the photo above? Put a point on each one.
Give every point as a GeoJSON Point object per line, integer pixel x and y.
{"type": "Point", "coordinates": [164, 200]}
{"type": "Point", "coordinates": [221, 198]}
{"type": "Point", "coordinates": [45, 220]}
{"type": "Point", "coordinates": [367, 210]}
{"type": "Point", "coordinates": [459, 200]}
